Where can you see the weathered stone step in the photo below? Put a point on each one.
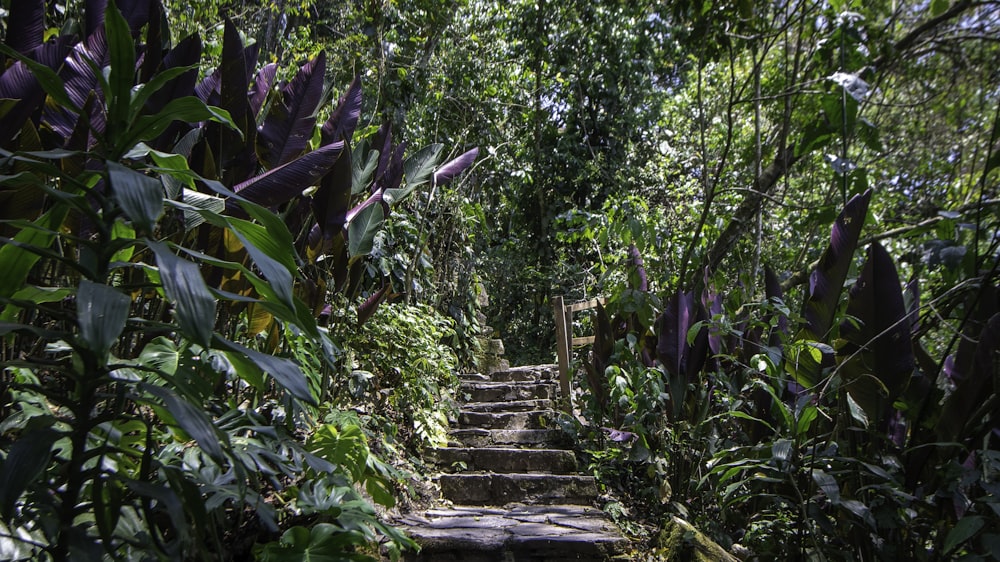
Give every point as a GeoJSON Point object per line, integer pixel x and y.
{"type": "Point", "coordinates": [533, 373]}
{"type": "Point", "coordinates": [501, 489]}
{"type": "Point", "coordinates": [503, 460]}
{"type": "Point", "coordinates": [526, 533]}
{"type": "Point", "coordinates": [506, 392]}
{"type": "Point", "coordinates": [504, 420]}
{"type": "Point", "coordinates": [511, 406]}
{"type": "Point", "coordinates": [474, 437]}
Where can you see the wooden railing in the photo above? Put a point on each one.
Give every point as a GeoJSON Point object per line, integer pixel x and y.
{"type": "Point", "coordinates": [565, 342]}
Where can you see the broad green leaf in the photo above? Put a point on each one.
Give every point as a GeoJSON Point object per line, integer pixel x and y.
{"type": "Point", "coordinates": [35, 295]}
{"type": "Point", "coordinates": [361, 231]}
{"type": "Point", "coordinates": [362, 167]}
{"type": "Point", "coordinates": [417, 170]}
{"type": "Point", "coordinates": [203, 201]}
{"type": "Point", "coordinates": [26, 459]}
{"type": "Point", "coordinates": [192, 419]}
{"type": "Point", "coordinates": [143, 92]}
{"type": "Point", "coordinates": [160, 354]}
{"type": "Point", "coordinates": [323, 543]}
{"type": "Point", "coordinates": [123, 233]}
{"type": "Point", "coordinates": [939, 7]}
{"type": "Point", "coordinates": [828, 484]}
{"type": "Point", "coordinates": [122, 68]}
{"type": "Point", "coordinates": [101, 312]}
{"type": "Point", "coordinates": [140, 196]}
{"type": "Point", "coordinates": [189, 109]}
{"type": "Point", "coordinates": [183, 284]}
{"type": "Point", "coordinates": [806, 418]}
{"type": "Point", "coordinates": [261, 247]}
{"type": "Point", "coordinates": [16, 262]}
{"type": "Point", "coordinates": [285, 371]}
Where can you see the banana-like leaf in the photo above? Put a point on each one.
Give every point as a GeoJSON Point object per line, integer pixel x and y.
{"type": "Point", "coordinates": [876, 345]}
{"type": "Point", "coordinates": [281, 184]}
{"type": "Point", "coordinates": [958, 365]}
{"type": "Point", "coordinates": [362, 228]}
{"type": "Point", "coordinates": [80, 82]}
{"type": "Point", "coordinates": [382, 142]}
{"type": "Point", "coordinates": [140, 196]}
{"type": "Point", "coordinates": [371, 304]}
{"type": "Point", "coordinates": [449, 171]}
{"type": "Point", "coordinates": [184, 285]}
{"type": "Point", "coordinates": [94, 16]}
{"type": "Point", "coordinates": [344, 120]}
{"type": "Point", "coordinates": [958, 419]}
{"type": "Point", "coordinates": [827, 281]}
{"type": "Point", "coordinates": [262, 87]}
{"type": "Point", "coordinates": [101, 312]}
{"type": "Point", "coordinates": [679, 357]}
{"type": "Point", "coordinates": [291, 120]}
{"type": "Point", "coordinates": [28, 80]}
{"type": "Point", "coordinates": [417, 170]}
{"type": "Point", "coordinates": [332, 200]}
{"type": "Point", "coordinates": [271, 257]}
{"type": "Point", "coordinates": [25, 25]}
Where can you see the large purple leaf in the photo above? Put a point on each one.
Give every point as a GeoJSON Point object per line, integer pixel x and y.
{"type": "Point", "coordinates": [394, 173]}
{"type": "Point", "coordinates": [285, 182]}
{"type": "Point", "coordinates": [383, 144]}
{"type": "Point", "coordinates": [187, 53]}
{"type": "Point", "coordinates": [333, 198]}
{"type": "Point", "coordinates": [262, 86]}
{"type": "Point", "coordinates": [446, 173]}
{"type": "Point", "coordinates": [877, 349]}
{"type": "Point", "coordinates": [636, 270]}
{"type": "Point", "coordinates": [672, 348]}
{"type": "Point", "coordinates": [25, 25]}
{"type": "Point", "coordinates": [78, 76]}
{"type": "Point", "coordinates": [958, 365]}
{"type": "Point", "coordinates": [152, 51]}
{"type": "Point", "coordinates": [773, 292]}
{"type": "Point", "coordinates": [827, 281]}
{"type": "Point", "coordinates": [958, 414]}
{"type": "Point", "coordinates": [136, 13]}
{"type": "Point", "coordinates": [94, 16]}
{"type": "Point", "coordinates": [371, 304]}
{"type": "Point", "coordinates": [290, 122]}
{"type": "Point", "coordinates": [344, 119]}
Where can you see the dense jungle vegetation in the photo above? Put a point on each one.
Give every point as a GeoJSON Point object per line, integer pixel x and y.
{"type": "Point", "coordinates": [246, 245]}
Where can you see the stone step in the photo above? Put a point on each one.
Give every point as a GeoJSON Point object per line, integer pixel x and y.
{"type": "Point", "coordinates": [504, 420]}
{"type": "Point", "coordinates": [534, 438]}
{"type": "Point", "coordinates": [503, 460]}
{"type": "Point", "coordinates": [532, 373]}
{"type": "Point", "coordinates": [524, 533]}
{"type": "Point", "coordinates": [511, 406]}
{"type": "Point", "coordinates": [501, 489]}
{"type": "Point", "coordinates": [506, 392]}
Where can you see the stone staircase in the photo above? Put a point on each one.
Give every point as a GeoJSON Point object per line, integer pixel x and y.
{"type": "Point", "coordinates": [511, 487]}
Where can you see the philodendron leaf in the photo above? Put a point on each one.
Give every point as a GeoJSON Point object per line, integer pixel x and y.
{"type": "Point", "coordinates": [184, 285]}
{"type": "Point", "coordinates": [285, 371]}
{"type": "Point", "coordinates": [140, 196]}
{"type": "Point", "coordinates": [101, 312]}
{"type": "Point", "coordinates": [324, 542]}
{"type": "Point", "coordinates": [877, 350]}
{"type": "Point", "coordinates": [192, 419]}
{"type": "Point", "coordinates": [827, 281]}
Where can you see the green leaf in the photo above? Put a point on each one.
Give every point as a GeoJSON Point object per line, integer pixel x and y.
{"type": "Point", "coordinates": [361, 232]}
{"type": "Point", "coordinates": [203, 201]}
{"type": "Point", "coordinates": [189, 109]}
{"type": "Point", "coordinates": [161, 354]}
{"type": "Point", "coordinates": [828, 484]}
{"type": "Point", "coordinates": [140, 196]}
{"type": "Point", "coordinates": [323, 543]}
{"type": "Point", "coordinates": [123, 233]}
{"type": "Point", "coordinates": [183, 284]}
{"type": "Point", "coordinates": [192, 419]}
{"type": "Point", "coordinates": [417, 170]}
{"type": "Point", "coordinates": [35, 295]}
{"type": "Point", "coordinates": [16, 262]}
{"type": "Point", "coordinates": [26, 460]}
{"type": "Point", "coordinates": [265, 252]}
{"type": "Point", "coordinates": [362, 167]}
{"type": "Point", "coordinates": [122, 69]}
{"type": "Point", "coordinates": [101, 312]}
{"type": "Point", "coordinates": [939, 7]}
{"type": "Point", "coordinates": [285, 371]}
{"type": "Point", "coordinates": [857, 412]}
{"type": "Point", "coordinates": [50, 81]}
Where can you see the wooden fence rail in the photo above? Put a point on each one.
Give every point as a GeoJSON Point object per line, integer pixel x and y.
{"type": "Point", "coordinates": [565, 342]}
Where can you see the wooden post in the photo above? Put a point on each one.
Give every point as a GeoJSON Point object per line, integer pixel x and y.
{"type": "Point", "coordinates": [563, 349]}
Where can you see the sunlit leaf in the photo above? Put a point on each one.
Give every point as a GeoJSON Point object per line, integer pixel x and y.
{"type": "Point", "coordinates": [101, 312]}
{"type": "Point", "coordinates": [184, 285]}
{"type": "Point", "coordinates": [192, 419]}
{"type": "Point", "coordinates": [140, 196]}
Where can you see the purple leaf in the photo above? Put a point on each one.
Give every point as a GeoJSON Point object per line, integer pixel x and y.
{"type": "Point", "coordinates": [957, 412]}
{"type": "Point", "coordinates": [913, 304]}
{"type": "Point", "coordinates": [80, 80]}
{"type": "Point", "coordinates": [394, 173]}
{"type": "Point", "coordinates": [827, 280]}
{"type": "Point", "coordinates": [290, 122]}
{"type": "Point", "coordinates": [877, 337]}
{"type": "Point", "coordinates": [773, 291]}
{"type": "Point", "coordinates": [262, 86]}
{"type": "Point", "coordinates": [333, 198]}
{"type": "Point", "coordinates": [383, 144]}
{"type": "Point", "coordinates": [286, 182]}
{"type": "Point", "coordinates": [136, 13]}
{"type": "Point", "coordinates": [617, 435]}
{"type": "Point", "coordinates": [25, 25]}
{"type": "Point", "coordinates": [672, 349]}
{"type": "Point", "coordinates": [94, 13]}
{"type": "Point", "coordinates": [376, 197]}
{"type": "Point", "coordinates": [344, 119]}
{"type": "Point", "coordinates": [636, 270]}
{"type": "Point", "coordinates": [371, 304]}
{"type": "Point", "coordinates": [447, 172]}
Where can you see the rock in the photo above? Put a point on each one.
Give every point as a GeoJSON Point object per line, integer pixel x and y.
{"type": "Point", "coordinates": [680, 541]}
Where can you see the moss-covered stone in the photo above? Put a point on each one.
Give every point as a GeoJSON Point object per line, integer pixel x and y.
{"type": "Point", "coordinates": [679, 541]}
